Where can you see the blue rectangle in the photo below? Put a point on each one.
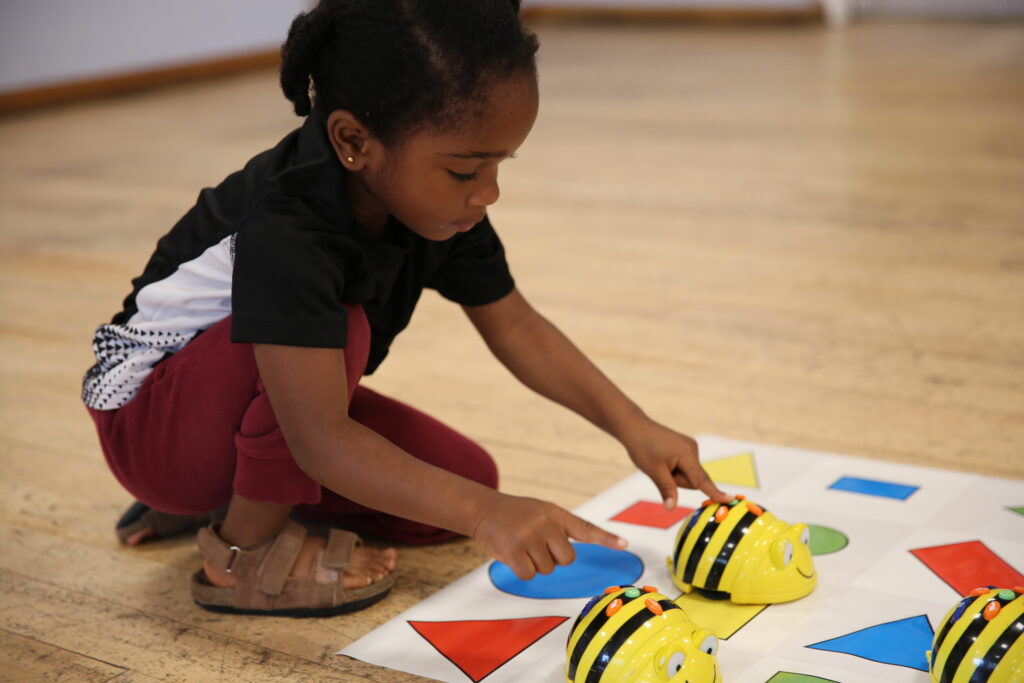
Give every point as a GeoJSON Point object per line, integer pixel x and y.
{"type": "Point", "coordinates": [883, 489]}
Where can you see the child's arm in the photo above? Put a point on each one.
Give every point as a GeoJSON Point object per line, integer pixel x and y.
{"type": "Point", "coordinates": [546, 361]}
{"type": "Point", "coordinates": [307, 390]}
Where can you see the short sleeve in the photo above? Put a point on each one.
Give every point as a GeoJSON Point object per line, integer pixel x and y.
{"type": "Point", "coordinates": [474, 272]}
{"type": "Point", "coordinates": [288, 278]}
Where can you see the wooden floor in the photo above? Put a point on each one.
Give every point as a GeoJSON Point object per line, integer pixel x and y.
{"type": "Point", "coordinates": [791, 235]}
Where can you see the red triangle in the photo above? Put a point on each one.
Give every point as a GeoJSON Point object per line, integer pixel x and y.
{"type": "Point", "coordinates": [478, 648]}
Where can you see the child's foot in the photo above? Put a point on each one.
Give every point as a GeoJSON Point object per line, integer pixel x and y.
{"type": "Point", "coordinates": [140, 523]}
{"type": "Point", "coordinates": [291, 574]}
{"type": "Point", "coordinates": [365, 567]}
{"type": "Point", "coordinates": [148, 532]}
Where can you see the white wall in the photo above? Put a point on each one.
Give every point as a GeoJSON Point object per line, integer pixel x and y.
{"type": "Point", "coordinates": [57, 41]}
{"type": "Point", "coordinates": [837, 10]}
{"type": "Point", "coordinates": [953, 9]}
{"type": "Point", "coordinates": [702, 4]}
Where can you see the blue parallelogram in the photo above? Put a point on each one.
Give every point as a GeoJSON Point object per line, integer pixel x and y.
{"type": "Point", "coordinates": [872, 487]}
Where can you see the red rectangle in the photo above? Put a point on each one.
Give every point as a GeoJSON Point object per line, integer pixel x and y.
{"type": "Point", "coordinates": [969, 565]}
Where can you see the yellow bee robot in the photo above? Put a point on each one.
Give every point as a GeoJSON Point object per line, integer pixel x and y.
{"type": "Point", "coordinates": [980, 639]}
{"type": "Point", "coordinates": [742, 550]}
{"type": "Point", "coordinates": [634, 635]}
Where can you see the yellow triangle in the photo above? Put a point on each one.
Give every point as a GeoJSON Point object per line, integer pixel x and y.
{"type": "Point", "coordinates": [735, 469]}
{"type": "Point", "coordinates": [721, 616]}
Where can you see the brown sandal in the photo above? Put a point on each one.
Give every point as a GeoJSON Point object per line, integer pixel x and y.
{"type": "Point", "coordinates": [264, 586]}
{"type": "Point", "coordinates": [140, 516]}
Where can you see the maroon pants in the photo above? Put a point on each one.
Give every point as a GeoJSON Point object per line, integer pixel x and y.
{"type": "Point", "coordinates": [202, 427]}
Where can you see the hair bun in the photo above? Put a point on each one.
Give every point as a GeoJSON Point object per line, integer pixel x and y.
{"type": "Point", "coordinates": [297, 56]}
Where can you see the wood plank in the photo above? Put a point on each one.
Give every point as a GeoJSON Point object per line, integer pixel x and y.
{"type": "Point", "coordinates": [151, 645]}
{"type": "Point", "coordinates": [27, 659]}
{"type": "Point", "coordinates": [133, 677]}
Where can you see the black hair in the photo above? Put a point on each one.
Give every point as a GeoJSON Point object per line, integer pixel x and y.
{"type": "Point", "coordinates": [403, 65]}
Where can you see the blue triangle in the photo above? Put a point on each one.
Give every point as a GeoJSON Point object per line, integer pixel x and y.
{"type": "Point", "coordinates": [901, 642]}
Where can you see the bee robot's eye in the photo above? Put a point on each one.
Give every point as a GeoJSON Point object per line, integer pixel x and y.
{"type": "Point", "coordinates": [675, 664]}
{"type": "Point", "coordinates": [782, 553]}
{"type": "Point", "coordinates": [709, 645]}
{"type": "Point", "coordinates": [805, 536]}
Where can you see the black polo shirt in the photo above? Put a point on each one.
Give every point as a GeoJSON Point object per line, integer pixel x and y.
{"type": "Point", "coordinates": [276, 246]}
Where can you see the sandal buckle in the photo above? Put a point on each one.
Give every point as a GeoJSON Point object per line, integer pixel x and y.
{"type": "Point", "coordinates": [234, 550]}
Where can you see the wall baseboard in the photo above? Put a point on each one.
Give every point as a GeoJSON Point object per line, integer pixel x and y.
{"type": "Point", "coordinates": [63, 93]}
{"type": "Point", "coordinates": [659, 15]}
{"type": "Point", "coordinates": [75, 91]}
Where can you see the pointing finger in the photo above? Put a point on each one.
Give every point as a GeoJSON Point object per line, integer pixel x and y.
{"type": "Point", "coordinates": [584, 531]}
{"type": "Point", "coordinates": [667, 487]}
{"type": "Point", "coordinates": [699, 479]}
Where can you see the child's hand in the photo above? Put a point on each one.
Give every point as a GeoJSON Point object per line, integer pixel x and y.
{"type": "Point", "coordinates": [532, 536]}
{"type": "Point", "coordinates": [670, 460]}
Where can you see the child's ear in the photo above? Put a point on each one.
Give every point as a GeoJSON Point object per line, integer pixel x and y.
{"type": "Point", "coordinates": [350, 139]}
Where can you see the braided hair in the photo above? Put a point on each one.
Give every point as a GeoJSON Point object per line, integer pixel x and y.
{"type": "Point", "coordinates": [403, 65]}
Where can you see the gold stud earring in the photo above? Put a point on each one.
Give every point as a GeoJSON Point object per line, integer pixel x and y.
{"type": "Point", "coordinates": [350, 160]}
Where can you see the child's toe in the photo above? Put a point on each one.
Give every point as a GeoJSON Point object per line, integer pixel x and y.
{"type": "Point", "coordinates": [368, 565]}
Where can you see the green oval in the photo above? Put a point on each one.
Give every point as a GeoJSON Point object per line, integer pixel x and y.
{"type": "Point", "coordinates": [790, 677]}
{"type": "Point", "coordinates": [825, 540]}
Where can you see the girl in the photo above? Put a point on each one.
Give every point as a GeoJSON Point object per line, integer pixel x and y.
{"type": "Point", "coordinates": [231, 376]}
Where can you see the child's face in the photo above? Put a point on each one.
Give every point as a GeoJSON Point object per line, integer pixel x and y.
{"type": "Point", "coordinates": [440, 184]}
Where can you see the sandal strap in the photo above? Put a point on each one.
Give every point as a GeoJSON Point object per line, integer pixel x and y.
{"type": "Point", "coordinates": [279, 560]}
{"type": "Point", "coordinates": [215, 550]}
{"type": "Point", "coordinates": [340, 544]}
{"type": "Point", "coordinates": [270, 563]}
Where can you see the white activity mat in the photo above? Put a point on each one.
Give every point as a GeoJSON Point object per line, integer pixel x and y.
{"type": "Point", "coordinates": [894, 546]}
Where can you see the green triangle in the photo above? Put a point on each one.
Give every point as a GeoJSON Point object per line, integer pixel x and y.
{"type": "Point", "coordinates": [1019, 509]}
